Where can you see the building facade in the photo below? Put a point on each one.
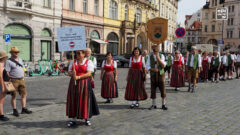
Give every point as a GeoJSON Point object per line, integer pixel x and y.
{"type": "Point", "coordinates": [211, 28]}
{"type": "Point", "coordinates": [88, 13]}
{"type": "Point", "coordinates": [32, 25]}
{"type": "Point", "coordinates": [232, 25]}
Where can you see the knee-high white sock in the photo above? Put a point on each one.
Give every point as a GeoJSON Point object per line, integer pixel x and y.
{"type": "Point", "coordinates": [153, 101]}
{"type": "Point", "coordinates": [164, 101]}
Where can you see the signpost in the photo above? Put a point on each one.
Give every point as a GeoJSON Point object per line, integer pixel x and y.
{"type": "Point", "coordinates": [180, 32]}
{"type": "Point", "coordinates": [7, 38]}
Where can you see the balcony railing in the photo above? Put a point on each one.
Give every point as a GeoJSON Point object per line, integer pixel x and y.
{"type": "Point", "coordinates": [127, 24]}
{"type": "Point", "coordinates": [22, 4]}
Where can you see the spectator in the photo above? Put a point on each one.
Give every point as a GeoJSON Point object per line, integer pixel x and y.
{"type": "Point", "coordinates": [15, 68]}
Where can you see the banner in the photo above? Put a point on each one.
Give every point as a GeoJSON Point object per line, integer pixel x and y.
{"type": "Point", "coordinates": [71, 38]}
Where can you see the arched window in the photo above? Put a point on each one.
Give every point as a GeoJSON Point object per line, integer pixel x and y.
{"type": "Point", "coordinates": [126, 12]}
{"type": "Point", "coordinates": [96, 7]}
{"type": "Point", "coordinates": [113, 9]}
{"type": "Point", "coordinates": [138, 15]}
{"type": "Point", "coordinates": [85, 5]}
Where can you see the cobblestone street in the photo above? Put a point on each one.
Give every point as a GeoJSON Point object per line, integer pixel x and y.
{"type": "Point", "coordinates": [214, 109]}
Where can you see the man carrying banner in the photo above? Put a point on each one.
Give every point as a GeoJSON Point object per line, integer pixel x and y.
{"type": "Point", "coordinates": [193, 64]}
{"type": "Point", "coordinates": [155, 64]}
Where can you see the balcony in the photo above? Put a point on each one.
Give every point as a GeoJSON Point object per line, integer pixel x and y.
{"type": "Point", "coordinates": [19, 4]}
{"type": "Point", "coordinates": [127, 24]}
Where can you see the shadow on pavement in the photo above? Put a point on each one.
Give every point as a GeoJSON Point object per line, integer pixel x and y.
{"type": "Point", "coordinates": [116, 107]}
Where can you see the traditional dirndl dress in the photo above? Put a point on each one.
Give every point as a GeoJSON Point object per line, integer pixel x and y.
{"type": "Point", "coordinates": [81, 101]}
{"type": "Point", "coordinates": [135, 89]}
{"type": "Point", "coordinates": [109, 86]}
{"type": "Point", "coordinates": [177, 78]}
{"type": "Point", "coordinates": [204, 72]}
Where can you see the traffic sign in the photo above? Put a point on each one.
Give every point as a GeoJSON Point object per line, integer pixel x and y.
{"type": "Point", "coordinates": [157, 30]}
{"type": "Point", "coordinates": [222, 13]}
{"type": "Point", "coordinates": [180, 40]}
{"type": "Point", "coordinates": [7, 38]}
{"type": "Point", "coordinates": [220, 42]}
{"type": "Point", "coordinates": [180, 32]}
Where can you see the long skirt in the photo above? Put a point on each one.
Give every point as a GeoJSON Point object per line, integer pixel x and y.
{"type": "Point", "coordinates": [135, 89]}
{"type": "Point", "coordinates": [204, 72]}
{"type": "Point", "coordinates": [178, 78]}
{"type": "Point", "coordinates": [81, 101]}
{"type": "Point", "coordinates": [109, 86]}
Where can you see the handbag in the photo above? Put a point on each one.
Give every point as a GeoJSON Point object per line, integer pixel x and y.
{"type": "Point", "coordinates": [9, 87]}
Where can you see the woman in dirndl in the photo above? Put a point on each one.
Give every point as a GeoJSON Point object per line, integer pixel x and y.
{"type": "Point", "coordinates": [108, 76]}
{"type": "Point", "coordinates": [178, 78]}
{"type": "Point", "coordinates": [81, 101]}
{"type": "Point", "coordinates": [205, 66]}
{"type": "Point", "coordinates": [135, 89]}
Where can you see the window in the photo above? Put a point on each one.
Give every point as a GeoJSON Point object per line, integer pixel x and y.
{"type": "Point", "coordinates": [206, 28]}
{"type": "Point", "coordinates": [231, 34]}
{"type": "Point", "coordinates": [126, 13]}
{"type": "Point", "coordinates": [228, 21]}
{"type": "Point", "coordinates": [72, 4]}
{"type": "Point", "coordinates": [193, 39]}
{"type": "Point", "coordinates": [189, 39]}
{"type": "Point", "coordinates": [213, 28]}
{"type": "Point", "coordinates": [138, 15]}
{"type": "Point", "coordinates": [198, 14]}
{"type": "Point", "coordinates": [85, 4]}
{"type": "Point", "coordinates": [113, 10]}
{"type": "Point", "coordinates": [96, 7]}
{"type": "Point", "coordinates": [206, 15]}
{"type": "Point", "coordinates": [215, 2]}
{"type": "Point", "coordinates": [232, 8]}
{"type": "Point", "coordinates": [47, 3]}
{"type": "Point", "coordinates": [229, 9]}
{"type": "Point", "coordinates": [231, 21]}
{"type": "Point", "coordinates": [213, 15]}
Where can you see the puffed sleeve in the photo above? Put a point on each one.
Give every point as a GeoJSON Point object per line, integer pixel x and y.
{"type": "Point", "coordinates": [209, 60]}
{"type": "Point", "coordinates": [103, 64]}
{"type": "Point", "coordinates": [95, 63]}
{"type": "Point", "coordinates": [130, 62]}
{"type": "Point", "coordinates": [143, 62]}
{"type": "Point", "coordinates": [70, 66]}
{"type": "Point", "coordinates": [114, 64]}
{"type": "Point", "coordinates": [182, 59]}
{"type": "Point", "coordinates": [90, 66]}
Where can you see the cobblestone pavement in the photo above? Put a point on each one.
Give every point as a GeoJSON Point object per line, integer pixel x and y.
{"type": "Point", "coordinates": [213, 110]}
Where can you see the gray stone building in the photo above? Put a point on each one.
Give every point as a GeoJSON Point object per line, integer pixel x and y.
{"type": "Point", "coordinates": [32, 25]}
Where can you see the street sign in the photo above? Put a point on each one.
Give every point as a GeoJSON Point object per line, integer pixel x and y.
{"type": "Point", "coordinates": [71, 38]}
{"type": "Point", "coordinates": [157, 30]}
{"type": "Point", "coordinates": [7, 38]}
{"type": "Point", "coordinates": [180, 32]}
{"type": "Point", "coordinates": [180, 40]}
{"type": "Point", "coordinates": [222, 13]}
{"type": "Point", "coordinates": [220, 42]}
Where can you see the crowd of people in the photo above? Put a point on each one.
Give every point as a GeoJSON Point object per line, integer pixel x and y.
{"type": "Point", "coordinates": [193, 67]}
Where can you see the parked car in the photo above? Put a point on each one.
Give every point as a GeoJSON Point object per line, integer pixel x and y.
{"type": "Point", "coordinates": [100, 58]}
{"type": "Point", "coordinates": [127, 56]}
{"type": "Point", "coordinates": [121, 61]}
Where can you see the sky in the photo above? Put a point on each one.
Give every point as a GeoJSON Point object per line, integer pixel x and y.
{"type": "Point", "coordinates": [188, 7]}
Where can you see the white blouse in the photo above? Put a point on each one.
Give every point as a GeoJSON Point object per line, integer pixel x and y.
{"type": "Point", "coordinates": [114, 64]}
{"type": "Point", "coordinates": [90, 65]}
{"type": "Point", "coordinates": [136, 61]}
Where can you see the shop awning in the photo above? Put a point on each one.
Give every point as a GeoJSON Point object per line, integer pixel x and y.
{"type": "Point", "coordinates": [99, 41]}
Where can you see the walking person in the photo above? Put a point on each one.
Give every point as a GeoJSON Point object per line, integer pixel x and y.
{"type": "Point", "coordinates": [169, 59]}
{"type": "Point", "coordinates": [135, 89]}
{"type": "Point", "coordinates": [156, 64]}
{"type": "Point", "coordinates": [93, 59]}
{"type": "Point", "coordinates": [237, 65]}
{"type": "Point", "coordinates": [230, 61]}
{"type": "Point", "coordinates": [177, 79]}
{"type": "Point", "coordinates": [3, 58]}
{"type": "Point", "coordinates": [205, 67]}
{"type": "Point", "coordinates": [215, 66]}
{"type": "Point", "coordinates": [108, 76]}
{"type": "Point", "coordinates": [193, 64]}
{"type": "Point", "coordinates": [15, 69]}
{"type": "Point", "coordinates": [81, 101]}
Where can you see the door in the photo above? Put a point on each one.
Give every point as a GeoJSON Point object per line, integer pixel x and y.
{"type": "Point", "coordinates": [46, 50]}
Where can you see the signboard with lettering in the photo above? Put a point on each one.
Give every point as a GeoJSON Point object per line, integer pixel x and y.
{"type": "Point", "coordinates": [222, 13]}
{"type": "Point", "coordinates": [157, 30]}
{"type": "Point", "coordinates": [71, 38]}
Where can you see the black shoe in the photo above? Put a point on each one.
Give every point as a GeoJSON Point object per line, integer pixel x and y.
{"type": "Point", "coordinates": [26, 111]}
{"type": "Point", "coordinates": [137, 105]}
{"type": "Point", "coordinates": [108, 101]}
{"type": "Point", "coordinates": [176, 89]}
{"type": "Point", "coordinates": [164, 107]}
{"type": "Point", "coordinates": [71, 124]}
{"type": "Point", "coordinates": [111, 101]}
{"type": "Point", "coordinates": [189, 88]}
{"type": "Point", "coordinates": [15, 113]}
{"type": "Point", "coordinates": [193, 89]}
{"type": "Point", "coordinates": [3, 118]}
{"type": "Point", "coordinates": [153, 107]}
{"type": "Point", "coordinates": [132, 106]}
{"type": "Point", "coordinates": [88, 123]}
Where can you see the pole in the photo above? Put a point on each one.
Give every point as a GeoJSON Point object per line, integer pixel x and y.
{"type": "Point", "coordinates": [73, 66]}
{"type": "Point", "coordinates": [219, 47]}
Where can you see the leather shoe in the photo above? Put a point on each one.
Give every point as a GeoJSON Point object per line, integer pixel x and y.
{"type": "Point", "coordinates": [15, 113]}
{"type": "Point", "coordinates": [153, 107]}
{"type": "Point", "coordinates": [164, 107]}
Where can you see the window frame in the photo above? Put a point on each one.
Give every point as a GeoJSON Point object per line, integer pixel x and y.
{"type": "Point", "coordinates": [85, 6]}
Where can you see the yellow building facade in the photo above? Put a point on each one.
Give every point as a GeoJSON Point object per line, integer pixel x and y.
{"type": "Point", "coordinates": [125, 24]}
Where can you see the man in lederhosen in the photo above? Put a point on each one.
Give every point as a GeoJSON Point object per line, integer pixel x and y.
{"type": "Point", "coordinates": [156, 64]}
{"type": "Point", "coordinates": [193, 64]}
{"type": "Point", "coordinates": [168, 67]}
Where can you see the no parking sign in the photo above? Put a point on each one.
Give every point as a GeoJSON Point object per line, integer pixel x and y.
{"type": "Point", "coordinates": [180, 32]}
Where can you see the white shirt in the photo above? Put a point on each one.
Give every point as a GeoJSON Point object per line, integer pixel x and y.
{"type": "Point", "coordinates": [168, 57]}
{"type": "Point", "coordinates": [220, 60]}
{"type": "Point", "coordinates": [209, 59]}
{"type": "Point", "coordinates": [114, 64]}
{"type": "Point", "coordinates": [90, 66]}
{"type": "Point", "coordinates": [94, 62]}
{"type": "Point", "coordinates": [192, 59]}
{"type": "Point", "coordinates": [143, 61]}
{"type": "Point", "coordinates": [225, 59]}
{"type": "Point", "coordinates": [148, 65]}
{"type": "Point", "coordinates": [238, 58]}
{"type": "Point", "coordinates": [182, 59]}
